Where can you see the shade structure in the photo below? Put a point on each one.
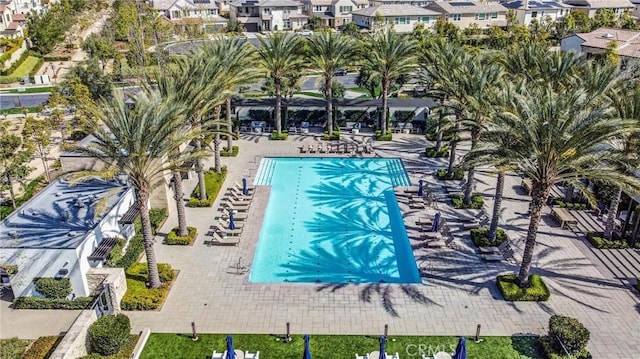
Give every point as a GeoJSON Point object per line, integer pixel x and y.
{"type": "Point", "coordinates": [307, 349]}
{"type": "Point", "coordinates": [245, 189]}
{"type": "Point", "coordinates": [231, 353]}
{"type": "Point", "coordinates": [383, 348]}
{"type": "Point", "coordinates": [232, 223]}
{"type": "Point", "coordinates": [436, 222]}
{"type": "Point", "coordinates": [420, 188]}
{"type": "Point", "coordinates": [461, 349]}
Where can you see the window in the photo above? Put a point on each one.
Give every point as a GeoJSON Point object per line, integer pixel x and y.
{"type": "Point", "coordinates": [456, 17]}
{"type": "Point", "coordinates": [266, 10]}
{"type": "Point", "coordinates": [286, 24]}
{"type": "Point", "coordinates": [400, 21]}
{"type": "Point", "coordinates": [534, 14]}
{"type": "Point", "coordinates": [345, 9]}
{"type": "Point", "coordinates": [561, 12]}
{"type": "Point", "coordinates": [425, 19]}
{"type": "Point", "coordinates": [494, 15]}
{"type": "Point", "coordinates": [318, 9]}
{"type": "Point", "coordinates": [175, 14]}
{"type": "Point", "coordinates": [481, 16]}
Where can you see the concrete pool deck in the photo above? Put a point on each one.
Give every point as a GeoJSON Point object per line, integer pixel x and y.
{"type": "Point", "coordinates": [458, 291]}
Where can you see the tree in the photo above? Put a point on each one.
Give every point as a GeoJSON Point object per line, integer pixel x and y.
{"type": "Point", "coordinates": [628, 21]}
{"type": "Point", "coordinates": [14, 159]}
{"type": "Point", "coordinates": [38, 133]}
{"type": "Point", "coordinates": [389, 56]}
{"type": "Point", "coordinates": [90, 74]}
{"type": "Point", "coordinates": [280, 56]}
{"type": "Point", "coordinates": [327, 52]}
{"type": "Point", "coordinates": [604, 18]}
{"type": "Point", "coordinates": [100, 47]}
{"type": "Point", "coordinates": [135, 141]}
{"type": "Point", "coordinates": [351, 29]}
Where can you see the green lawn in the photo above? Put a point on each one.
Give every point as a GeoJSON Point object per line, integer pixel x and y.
{"type": "Point", "coordinates": [20, 110]}
{"type": "Point", "coordinates": [30, 90]}
{"type": "Point", "coordinates": [309, 93]}
{"type": "Point", "coordinates": [26, 66]}
{"type": "Point", "coordinates": [326, 346]}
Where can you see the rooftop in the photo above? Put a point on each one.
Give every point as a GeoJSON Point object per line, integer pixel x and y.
{"type": "Point", "coordinates": [534, 5]}
{"type": "Point", "coordinates": [395, 10]}
{"type": "Point", "coordinates": [628, 40]}
{"type": "Point", "coordinates": [600, 4]}
{"type": "Point", "coordinates": [60, 216]}
{"type": "Point", "coordinates": [465, 7]}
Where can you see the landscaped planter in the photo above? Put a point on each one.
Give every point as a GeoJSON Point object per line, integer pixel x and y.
{"type": "Point", "coordinates": [536, 292]}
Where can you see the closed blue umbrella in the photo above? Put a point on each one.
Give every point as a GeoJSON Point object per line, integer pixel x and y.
{"type": "Point", "coordinates": [231, 353]}
{"type": "Point", "coordinates": [436, 222]}
{"type": "Point", "coordinates": [461, 349]}
{"type": "Point", "coordinates": [383, 347]}
{"type": "Point", "coordinates": [232, 222]}
{"type": "Point", "coordinates": [245, 189]}
{"type": "Point", "coordinates": [307, 350]}
{"type": "Point", "coordinates": [420, 188]}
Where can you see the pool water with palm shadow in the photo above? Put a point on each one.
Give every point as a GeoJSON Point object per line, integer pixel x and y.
{"type": "Point", "coordinates": [333, 220]}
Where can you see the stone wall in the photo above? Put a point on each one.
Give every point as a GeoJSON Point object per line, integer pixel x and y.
{"type": "Point", "coordinates": [75, 343]}
{"type": "Point", "coordinates": [114, 279]}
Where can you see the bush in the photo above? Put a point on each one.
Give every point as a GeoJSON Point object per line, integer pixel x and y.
{"type": "Point", "coordinates": [116, 252]}
{"type": "Point", "coordinates": [56, 58]}
{"type": "Point", "coordinates": [9, 70]}
{"type": "Point", "coordinates": [598, 241]}
{"type": "Point", "coordinates": [477, 202]}
{"type": "Point", "coordinates": [12, 348]}
{"type": "Point", "coordinates": [174, 239]}
{"type": "Point", "coordinates": [140, 272]}
{"type": "Point", "coordinates": [77, 135]}
{"type": "Point", "coordinates": [388, 136]}
{"type": "Point", "coordinates": [157, 217]}
{"type": "Point", "coordinates": [545, 343]}
{"type": "Point", "coordinates": [213, 182]}
{"type": "Point", "coordinates": [109, 333]}
{"type": "Point", "coordinates": [334, 136]}
{"type": "Point", "coordinates": [42, 347]}
{"type": "Point", "coordinates": [570, 332]}
{"type": "Point", "coordinates": [125, 352]}
{"type": "Point", "coordinates": [11, 269]}
{"type": "Point", "coordinates": [434, 137]}
{"type": "Point", "coordinates": [431, 152]}
{"type": "Point", "coordinates": [458, 174]}
{"type": "Point", "coordinates": [536, 292]}
{"type": "Point", "coordinates": [52, 287]}
{"type": "Point", "coordinates": [480, 239]}
{"type": "Point", "coordinates": [279, 137]}
{"type": "Point", "coordinates": [52, 303]}
{"type": "Point", "coordinates": [135, 247]}
{"type": "Point", "coordinates": [139, 297]}
{"type": "Point", "coordinates": [234, 152]}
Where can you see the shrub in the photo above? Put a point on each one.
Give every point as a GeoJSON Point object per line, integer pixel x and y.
{"type": "Point", "coordinates": [434, 137]}
{"type": "Point", "coordinates": [11, 269]}
{"type": "Point", "coordinates": [42, 347]}
{"type": "Point", "coordinates": [140, 272]}
{"type": "Point", "coordinates": [279, 137]}
{"type": "Point", "coordinates": [334, 136]}
{"type": "Point", "coordinates": [511, 291]}
{"type": "Point", "coordinates": [116, 252]}
{"type": "Point", "coordinates": [157, 217]}
{"type": "Point", "coordinates": [545, 343]}
{"type": "Point", "coordinates": [480, 239]}
{"type": "Point", "coordinates": [477, 202]}
{"type": "Point", "coordinates": [567, 332]}
{"type": "Point", "coordinates": [388, 136]}
{"type": "Point", "coordinates": [174, 239]}
{"type": "Point", "coordinates": [9, 70]}
{"type": "Point", "coordinates": [109, 333]}
{"type": "Point", "coordinates": [52, 303]}
{"type": "Point", "coordinates": [125, 352]}
{"type": "Point", "coordinates": [52, 287]}
{"type": "Point", "coordinates": [558, 201]}
{"type": "Point", "coordinates": [597, 240]}
{"type": "Point", "coordinates": [56, 58]}
{"type": "Point", "coordinates": [213, 182]}
{"type": "Point", "coordinates": [135, 247]}
{"type": "Point", "coordinates": [458, 174]}
{"type": "Point", "coordinates": [77, 135]}
{"type": "Point", "coordinates": [139, 297]}
{"type": "Point", "coordinates": [234, 152]}
{"type": "Point", "coordinates": [431, 152]}
{"type": "Point", "coordinates": [12, 348]}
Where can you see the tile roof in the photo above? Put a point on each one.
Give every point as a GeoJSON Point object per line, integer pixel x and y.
{"type": "Point", "coordinates": [467, 7]}
{"type": "Point", "coordinates": [395, 10]}
{"type": "Point", "coordinates": [628, 40]}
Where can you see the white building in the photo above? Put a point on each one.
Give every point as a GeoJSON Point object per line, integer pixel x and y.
{"type": "Point", "coordinates": [183, 12]}
{"type": "Point", "coordinates": [466, 13]}
{"type": "Point", "coordinates": [527, 10]}
{"type": "Point", "coordinates": [590, 7]}
{"type": "Point", "coordinates": [10, 23]}
{"type": "Point", "coordinates": [403, 17]}
{"type": "Point", "coordinates": [333, 13]}
{"type": "Point", "coordinates": [268, 15]}
{"type": "Point", "coordinates": [64, 231]}
{"type": "Point", "coordinates": [598, 41]}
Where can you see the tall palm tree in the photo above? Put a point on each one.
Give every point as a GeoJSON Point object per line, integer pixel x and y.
{"type": "Point", "coordinates": [280, 56]}
{"type": "Point", "coordinates": [329, 51]}
{"type": "Point", "coordinates": [388, 56]}
{"type": "Point", "coordinates": [136, 142]}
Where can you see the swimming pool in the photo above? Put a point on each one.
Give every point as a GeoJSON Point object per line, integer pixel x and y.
{"type": "Point", "coordinates": [333, 220]}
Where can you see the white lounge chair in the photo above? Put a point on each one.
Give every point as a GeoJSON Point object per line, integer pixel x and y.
{"type": "Point", "coordinates": [235, 207]}
{"type": "Point", "coordinates": [366, 356]}
{"type": "Point", "coordinates": [237, 216]}
{"type": "Point", "coordinates": [225, 224]}
{"type": "Point", "coordinates": [239, 194]}
{"type": "Point", "coordinates": [238, 185]}
{"type": "Point", "coordinates": [225, 241]}
{"type": "Point", "coordinates": [217, 355]}
{"type": "Point", "coordinates": [227, 231]}
{"type": "Point", "coordinates": [255, 355]}
{"type": "Point", "coordinates": [239, 354]}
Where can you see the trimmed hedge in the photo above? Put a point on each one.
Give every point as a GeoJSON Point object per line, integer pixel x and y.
{"type": "Point", "coordinates": [388, 136]}
{"type": "Point", "coordinates": [566, 333]}
{"type": "Point", "coordinates": [140, 272]}
{"type": "Point", "coordinates": [479, 237]}
{"type": "Point", "coordinates": [477, 202]}
{"type": "Point", "coordinates": [52, 287]}
{"type": "Point", "coordinates": [174, 239]}
{"type": "Point", "coordinates": [138, 296]}
{"type": "Point", "coordinates": [56, 58]}
{"type": "Point", "coordinates": [598, 241]}
{"type": "Point", "coordinates": [334, 136]}
{"type": "Point", "coordinates": [124, 353]}
{"type": "Point", "coordinates": [434, 137]}
{"type": "Point", "coordinates": [23, 57]}
{"type": "Point", "coordinates": [557, 201]}
{"type": "Point", "coordinates": [52, 303]}
{"type": "Point", "coordinates": [536, 292]}
{"type": "Point", "coordinates": [43, 347]}
{"type": "Point", "coordinates": [116, 253]}
{"type": "Point", "coordinates": [157, 216]}
{"type": "Point", "coordinates": [281, 137]}
{"type": "Point", "coordinates": [109, 333]}
{"type": "Point", "coordinates": [11, 269]}
{"type": "Point", "coordinates": [430, 152]}
{"type": "Point", "coordinates": [213, 182]}
{"type": "Point", "coordinates": [233, 153]}
{"type": "Point", "coordinates": [458, 174]}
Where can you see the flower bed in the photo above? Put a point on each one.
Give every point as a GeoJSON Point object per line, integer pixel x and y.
{"type": "Point", "coordinates": [138, 296]}
{"type": "Point", "coordinates": [458, 174]}
{"type": "Point", "coordinates": [233, 153]}
{"type": "Point", "coordinates": [480, 239]}
{"type": "Point", "coordinates": [174, 239]}
{"type": "Point", "coordinates": [598, 241]}
{"type": "Point", "coordinates": [213, 182]}
{"type": "Point", "coordinates": [431, 152]}
{"type": "Point", "coordinates": [536, 292]}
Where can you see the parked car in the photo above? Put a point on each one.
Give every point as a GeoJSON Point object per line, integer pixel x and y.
{"type": "Point", "coordinates": [305, 33]}
{"type": "Point", "coordinates": [340, 72]}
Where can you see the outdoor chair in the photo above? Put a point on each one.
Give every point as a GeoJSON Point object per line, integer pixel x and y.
{"type": "Point", "coordinates": [235, 203]}
{"type": "Point", "coordinates": [494, 250]}
{"type": "Point", "coordinates": [236, 216]}
{"type": "Point", "coordinates": [239, 194]}
{"type": "Point", "coordinates": [227, 231]}
{"type": "Point", "coordinates": [498, 257]}
{"type": "Point", "coordinates": [303, 149]}
{"type": "Point", "coordinates": [376, 354]}
{"type": "Point", "coordinates": [231, 207]}
{"type": "Point", "coordinates": [255, 355]}
{"type": "Point", "coordinates": [339, 148]}
{"type": "Point", "coordinates": [217, 355]}
{"type": "Point", "coordinates": [366, 356]}
{"type": "Point", "coordinates": [239, 354]}
{"type": "Point", "coordinates": [321, 148]}
{"type": "Point", "coordinates": [292, 129]}
{"type": "Point", "coordinates": [312, 149]}
{"type": "Point", "coordinates": [232, 196]}
{"type": "Point", "coordinates": [225, 224]}
{"type": "Point", "coordinates": [224, 241]}
{"type": "Point", "coordinates": [238, 185]}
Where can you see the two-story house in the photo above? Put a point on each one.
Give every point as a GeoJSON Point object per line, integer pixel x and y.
{"type": "Point", "coordinates": [590, 7]}
{"type": "Point", "coordinates": [29, 6]}
{"type": "Point", "coordinates": [527, 10]}
{"type": "Point", "coordinates": [418, 3]}
{"type": "Point", "coordinates": [465, 13]}
{"type": "Point", "coordinates": [9, 27]}
{"type": "Point", "coordinates": [403, 17]}
{"type": "Point", "coordinates": [181, 12]}
{"type": "Point", "coordinates": [268, 15]}
{"type": "Point", "coordinates": [333, 13]}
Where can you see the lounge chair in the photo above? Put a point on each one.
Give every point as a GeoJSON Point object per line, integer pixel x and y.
{"type": "Point", "coordinates": [234, 203]}
{"type": "Point", "coordinates": [366, 356]}
{"type": "Point", "coordinates": [498, 257]}
{"type": "Point", "coordinates": [232, 196]}
{"type": "Point", "coordinates": [238, 185]}
{"type": "Point", "coordinates": [321, 148]}
{"type": "Point", "coordinates": [255, 355]}
{"type": "Point", "coordinates": [224, 241]}
{"type": "Point", "coordinates": [339, 148]}
{"type": "Point", "coordinates": [424, 221]}
{"type": "Point", "coordinates": [303, 149]}
{"type": "Point", "coordinates": [225, 224]}
{"type": "Point", "coordinates": [227, 231]}
{"type": "Point", "coordinates": [430, 235]}
{"type": "Point", "coordinates": [237, 216]}
{"type": "Point", "coordinates": [449, 242]}
{"type": "Point", "coordinates": [231, 207]}
{"type": "Point", "coordinates": [292, 129]}
{"type": "Point", "coordinates": [412, 189]}
{"type": "Point", "coordinates": [347, 148]}
{"type": "Point", "coordinates": [239, 194]}
{"type": "Point", "coordinates": [494, 250]}
{"type": "Point", "coordinates": [217, 355]}
{"type": "Point", "coordinates": [368, 148]}
{"type": "Point", "coordinates": [312, 149]}
{"type": "Point", "coordinates": [239, 354]}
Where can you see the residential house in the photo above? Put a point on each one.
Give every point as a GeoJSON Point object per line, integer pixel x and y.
{"type": "Point", "coordinates": [10, 27]}
{"type": "Point", "coordinates": [465, 13]}
{"type": "Point", "coordinates": [223, 6]}
{"type": "Point", "coordinates": [527, 10]}
{"type": "Point", "coordinates": [190, 12]}
{"type": "Point", "coordinates": [333, 13]}
{"type": "Point", "coordinates": [419, 3]}
{"type": "Point", "coordinates": [63, 232]}
{"type": "Point", "coordinates": [590, 7]}
{"type": "Point", "coordinates": [268, 15]}
{"type": "Point", "coordinates": [29, 6]}
{"type": "Point", "coordinates": [599, 41]}
{"type": "Point", "coordinates": [403, 17]}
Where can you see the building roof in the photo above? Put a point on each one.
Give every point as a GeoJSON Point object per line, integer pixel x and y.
{"type": "Point", "coordinates": [319, 2]}
{"type": "Point", "coordinates": [19, 17]}
{"type": "Point", "coordinates": [467, 7]}
{"type": "Point", "coordinates": [534, 5]}
{"type": "Point", "coordinates": [628, 40]}
{"type": "Point", "coordinates": [14, 25]}
{"type": "Point", "coordinates": [394, 10]}
{"type": "Point", "coordinates": [600, 4]}
{"type": "Point", "coordinates": [261, 3]}
{"type": "Point", "coordinates": [60, 216]}
{"type": "Point", "coordinates": [321, 103]}
{"type": "Point", "coordinates": [187, 4]}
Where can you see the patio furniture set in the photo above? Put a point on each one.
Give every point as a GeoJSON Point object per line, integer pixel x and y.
{"type": "Point", "coordinates": [337, 148]}
{"type": "Point", "coordinates": [230, 224]}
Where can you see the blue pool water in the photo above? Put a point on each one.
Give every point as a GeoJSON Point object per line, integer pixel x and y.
{"type": "Point", "coordinates": [333, 220]}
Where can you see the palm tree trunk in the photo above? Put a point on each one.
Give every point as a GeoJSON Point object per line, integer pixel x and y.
{"type": "Point", "coordinates": [468, 188]}
{"type": "Point", "coordinates": [229, 125]}
{"type": "Point", "coordinates": [182, 217]}
{"type": "Point", "coordinates": [439, 130]}
{"type": "Point", "coordinates": [200, 171]}
{"type": "Point", "coordinates": [12, 194]}
{"type": "Point", "coordinates": [385, 104]}
{"type": "Point", "coordinates": [539, 197]}
{"type": "Point", "coordinates": [609, 225]}
{"type": "Point", "coordinates": [329, 90]}
{"type": "Point", "coordinates": [216, 141]}
{"type": "Point", "coordinates": [278, 106]}
{"type": "Point", "coordinates": [142, 195]}
{"type": "Point", "coordinates": [453, 144]}
{"type": "Point", "coordinates": [497, 205]}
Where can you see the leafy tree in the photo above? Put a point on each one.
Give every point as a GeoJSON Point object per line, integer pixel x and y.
{"type": "Point", "coordinates": [100, 47]}
{"type": "Point", "coordinates": [90, 74]}
{"type": "Point", "coordinates": [368, 81]}
{"type": "Point", "coordinates": [14, 159]}
{"type": "Point", "coordinates": [38, 133]}
{"type": "Point", "coordinates": [351, 29]}
{"type": "Point", "coordinates": [497, 38]}
{"type": "Point", "coordinates": [314, 23]}
{"type": "Point", "coordinates": [604, 18]}
{"type": "Point", "coordinates": [628, 21]}
{"type": "Point", "coordinates": [447, 30]}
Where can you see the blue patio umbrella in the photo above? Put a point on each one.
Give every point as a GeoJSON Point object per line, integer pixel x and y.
{"type": "Point", "coordinates": [420, 188]}
{"type": "Point", "coordinates": [436, 222]}
{"type": "Point", "coordinates": [245, 189]}
{"type": "Point", "coordinates": [383, 347]}
{"type": "Point", "coordinates": [461, 349]}
{"type": "Point", "coordinates": [307, 350]}
{"type": "Point", "coordinates": [231, 353]}
{"type": "Point", "coordinates": [232, 223]}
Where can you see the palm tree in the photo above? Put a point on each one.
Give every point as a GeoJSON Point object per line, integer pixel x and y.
{"type": "Point", "coordinates": [136, 142]}
{"type": "Point", "coordinates": [329, 51]}
{"type": "Point", "coordinates": [280, 56]}
{"type": "Point", "coordinates": [388, 56]}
